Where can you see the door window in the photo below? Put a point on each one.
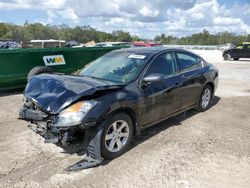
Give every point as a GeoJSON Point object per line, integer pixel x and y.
{"type": "Point", "coordinates": [188, 61]}
{"type": "Point", "coordinates": [163, 64]}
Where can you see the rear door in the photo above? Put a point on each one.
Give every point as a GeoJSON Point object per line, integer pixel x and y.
{"type": "Point", "coordinates": [247, 51]}
{"type": "Point", "coordinates": [161, 98]}
{"type": "Point", "coordinates": [243, 52]}
{"type": "Point", "coordinates": [191, 68]}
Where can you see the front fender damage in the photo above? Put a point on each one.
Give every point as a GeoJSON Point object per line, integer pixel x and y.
{"type": "Point", "coordinates": [92, 146]}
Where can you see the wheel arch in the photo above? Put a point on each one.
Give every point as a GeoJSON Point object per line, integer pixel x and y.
{"type": "Point", "coordinates": [211, 84]}
{"type": "Point", "coordinates": [131, 113]}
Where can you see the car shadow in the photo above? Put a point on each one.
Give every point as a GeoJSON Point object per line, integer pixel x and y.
{"type": "Point", "coordinates": [7, 93]}
{"type": "Point", "coordinates": [241, 60]}
{"type": "Point", "coordinates": [148, 132]}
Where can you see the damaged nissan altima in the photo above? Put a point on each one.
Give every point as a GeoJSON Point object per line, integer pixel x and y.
{"type": "Point", "coordinates": [116, 96]}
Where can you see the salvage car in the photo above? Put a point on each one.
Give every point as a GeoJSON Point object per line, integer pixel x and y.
{"type": "Point", "coordinates": [241, 51]}
{"type": "Point", "coordinates": [116, 96]}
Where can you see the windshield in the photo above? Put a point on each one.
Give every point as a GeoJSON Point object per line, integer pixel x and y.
{"type": "Point", "coordinates": [119, 67]}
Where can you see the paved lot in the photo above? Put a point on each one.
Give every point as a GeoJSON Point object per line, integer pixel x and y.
{"type": "Point", "coordinates": [210, 149]}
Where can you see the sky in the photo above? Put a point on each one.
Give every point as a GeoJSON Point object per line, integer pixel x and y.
{"type": "Point", "coordinates": [144, 18]}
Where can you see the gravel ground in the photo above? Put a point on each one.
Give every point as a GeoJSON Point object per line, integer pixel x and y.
{"type": "Point", "coordinates": [210, 149]}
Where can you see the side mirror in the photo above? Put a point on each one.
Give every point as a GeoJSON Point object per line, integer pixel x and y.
{"type": "Point", "coordinates": [154, 77]}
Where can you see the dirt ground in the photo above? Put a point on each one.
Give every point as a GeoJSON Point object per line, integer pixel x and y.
{"type": "Point", "coordinates": [210, 149]}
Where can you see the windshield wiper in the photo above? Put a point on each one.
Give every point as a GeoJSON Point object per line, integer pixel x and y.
{"type": "Point", "coordinates": [104, 80]}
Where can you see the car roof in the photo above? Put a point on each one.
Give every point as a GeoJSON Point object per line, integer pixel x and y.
{"type": "Point", "coordinates": [148, 50]}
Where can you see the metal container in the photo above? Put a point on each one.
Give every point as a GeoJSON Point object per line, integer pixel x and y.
{"type": "Point", "coordinates": [16, 63]}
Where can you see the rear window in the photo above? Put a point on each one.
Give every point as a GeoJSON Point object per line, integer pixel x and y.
{"type": "Point", "coordinates": [188, 61]}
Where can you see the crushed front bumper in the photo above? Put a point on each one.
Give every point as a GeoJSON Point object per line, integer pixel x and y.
{"type": "Point", "coordinates": [64, 136]}
{"type": "Point", "coordinates": [40, 123]}
{"type": "Point", "coordinates": [88, 135]}
{"type": "Point", "coordinates": [32, 114]}
{"type": "Point", "coordinates": [47, 135]}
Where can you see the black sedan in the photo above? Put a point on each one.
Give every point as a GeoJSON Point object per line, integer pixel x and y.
{"type": "Point", "coordinates": [116, 96]}
{"type": "Point", "coordinates": [242, 51]}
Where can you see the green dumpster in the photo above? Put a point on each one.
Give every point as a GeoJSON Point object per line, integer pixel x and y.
{"type": "Point", "coordinates": [16, 63]}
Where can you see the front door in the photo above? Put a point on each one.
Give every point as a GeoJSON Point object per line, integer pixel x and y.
{"type": "Point", "coordinates": [160, 99]}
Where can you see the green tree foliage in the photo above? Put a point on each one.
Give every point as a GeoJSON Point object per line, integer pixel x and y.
{"type": "Point", "coordinates": [3, 29]}
{"type": "Point", "coordinates": [204, 38]}
{"type": "Point", "coordinates": [39, 31]}
{"type": "Point", "coordinates": [84, 34]}
{"type": "Point", "coordinates": [87, 33]}
{"type": "Point", "coordinates": [122, 36]}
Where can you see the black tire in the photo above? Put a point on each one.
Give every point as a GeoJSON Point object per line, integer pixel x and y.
{"type": "Point", "coordinates": [38, 70]}
{"type": "Point", "coordinates": [226, 57]}
{"type": "Point", "coordinates": [236, 59]}
{"type": "Point", "coordinates": [105, 152]}
{"type": "Point", "coordinates": [201, 107]}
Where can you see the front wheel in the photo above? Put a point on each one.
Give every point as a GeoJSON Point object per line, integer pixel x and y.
{"type": "Point", "coordinates": [226, 57]}
{"type": "Point", "coordinates": [205, 98]}
{"type": "Point", "coordinates": [116, 136]}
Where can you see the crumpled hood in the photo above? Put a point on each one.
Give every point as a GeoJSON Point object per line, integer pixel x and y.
{"type": "Point", "coordinates": [55, 92]}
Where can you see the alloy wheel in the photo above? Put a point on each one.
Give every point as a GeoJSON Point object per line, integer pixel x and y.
{"type": "Point", "coordinates": [117, 136]}
{"type": "Point", "coordinates": [206, 97]}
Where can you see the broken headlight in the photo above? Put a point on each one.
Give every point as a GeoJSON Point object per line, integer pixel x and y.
{"type": "Point", "coordinates": [74, 114]}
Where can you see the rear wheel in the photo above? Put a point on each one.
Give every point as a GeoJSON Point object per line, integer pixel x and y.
{"type": "Point", "coordinates": [38, 70]}
{"type": "Point", "coordinates": [205, 98]}
{"type": "Point", "coordinates": [116, 136]}
{"type": "Point", "coordinates": [226, 57]}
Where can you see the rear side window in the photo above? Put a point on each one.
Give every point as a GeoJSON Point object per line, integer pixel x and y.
{"type": "Point", "coordinates": [163, 64]}
{"type": "Point", "coordinates": [188, 61]}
